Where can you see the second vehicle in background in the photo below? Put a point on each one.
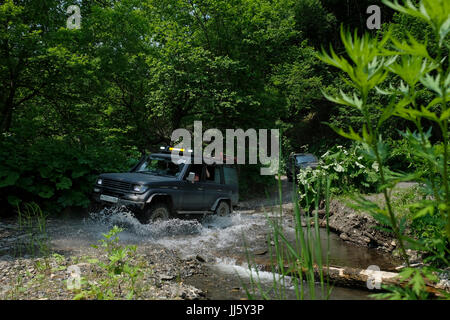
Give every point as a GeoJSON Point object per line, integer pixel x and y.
{"type": "Point", "coordinates": [299, 161]}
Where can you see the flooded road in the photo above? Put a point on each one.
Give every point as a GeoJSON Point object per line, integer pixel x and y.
{"type": "Point", "coordinates": [221, 242]}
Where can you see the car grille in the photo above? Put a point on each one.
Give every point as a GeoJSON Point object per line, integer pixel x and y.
{"type": "Point", "coordinates": [118, 185]}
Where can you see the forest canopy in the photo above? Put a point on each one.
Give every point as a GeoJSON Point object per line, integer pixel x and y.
{"type": "Point", "coordinates": [77, 102]}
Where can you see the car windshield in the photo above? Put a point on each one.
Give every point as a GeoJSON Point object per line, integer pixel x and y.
{"type": "Point", "coordinates": [305, 159]}
{"type": "Point", "coordinates": [160, 166]}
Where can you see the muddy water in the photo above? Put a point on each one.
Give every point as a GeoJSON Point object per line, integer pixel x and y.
{"type": "Point", "coordinates": [222, 242]}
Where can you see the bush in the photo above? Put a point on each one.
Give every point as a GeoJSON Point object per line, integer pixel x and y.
{"type": "Point", "coordinates": [349, 169]}
{"type": "Point", "coordinates": [54, 173]}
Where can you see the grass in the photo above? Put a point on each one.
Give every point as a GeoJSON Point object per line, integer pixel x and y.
{"type": "Point", "coordinates": [296, 265]}
{"type": "Point", "coordinates": [33, 225]}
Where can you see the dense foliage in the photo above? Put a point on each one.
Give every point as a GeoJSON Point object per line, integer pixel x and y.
{"type": "Point", "coordinates": [414, 75]}
{"type": "Point", "coordinates": [76, 102]}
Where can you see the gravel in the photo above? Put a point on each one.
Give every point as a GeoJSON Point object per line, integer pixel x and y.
{"type": "Point", "coordinates": [163, 272]}
{"type": "Point", "coordinates": [163, 276]}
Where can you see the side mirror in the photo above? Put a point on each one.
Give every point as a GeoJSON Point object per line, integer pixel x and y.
{"type": "Point", "coordinates": [191, 177]}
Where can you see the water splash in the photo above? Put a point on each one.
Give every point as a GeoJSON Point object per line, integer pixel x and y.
{"type": "Point", "coordinates": [212, 237]}
{"type": "Point", "coordinates": [125, 219]}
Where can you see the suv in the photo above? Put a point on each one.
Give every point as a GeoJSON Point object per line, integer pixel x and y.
{"type": "Point", "coordinates": [160, 187]}
{"type": "Point", "coordinates": [298, 161]}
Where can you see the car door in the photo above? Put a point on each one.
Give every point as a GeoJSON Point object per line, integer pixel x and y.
{"type": "Point", "coordinates": [192, 198]}
{"type": "Point", "coordinates": [231, 183]}
{"type": "Point", "coordinates": [212, 185]}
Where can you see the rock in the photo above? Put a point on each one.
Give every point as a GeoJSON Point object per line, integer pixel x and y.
{"type": "Point", "coordinates": [444, 280]}
{"type": "Point", "coordinates": [358, 227]}
{"type": "Point", "coordinates": [200, 258]}
{"type": "Point", "coordinates": [5, 258]}
{"type": "Point", "coordinates": [365, 239]}
{"type": "Point", "coordinates": [260, 252]}
{"type": "Point", "coordinates": [166, 277]}
{"type": "Point", "coordinates": [320, 213]}
{"type": "Point", "coordinates": [344, 236]}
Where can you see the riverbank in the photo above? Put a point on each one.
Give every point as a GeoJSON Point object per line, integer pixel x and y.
{"type": "Point", "coordinates": [350, 224]}
{"type": "Point", "coordinates": [177, 259]}
{"type": "Point", "coordinates": [152, 272]}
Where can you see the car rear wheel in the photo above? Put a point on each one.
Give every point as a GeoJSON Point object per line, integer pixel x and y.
{"type": "Point", "coordinates": [156, 212]}
{"type": "Point", "coordinates": [223, 209]}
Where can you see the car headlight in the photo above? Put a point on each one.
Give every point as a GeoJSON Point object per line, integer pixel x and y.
{"type": "Point", "coordinates": [99, 182]}
{"type": "Point", "coordinates": [139, 188]}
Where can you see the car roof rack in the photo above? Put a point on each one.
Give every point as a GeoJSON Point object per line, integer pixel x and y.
{"type": "Point", "coordinates": [169, 149]}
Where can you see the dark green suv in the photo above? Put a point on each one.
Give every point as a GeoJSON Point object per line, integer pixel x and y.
{"type": "Point", "coordinates": [160, 187]}
{"type": "Point", "coordinates": [299, 161]}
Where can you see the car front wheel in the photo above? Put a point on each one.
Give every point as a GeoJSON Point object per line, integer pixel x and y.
{"type": "Point", "coordinates": [223, 209]}
{"type": "Point", "coordinates": [156, 212]}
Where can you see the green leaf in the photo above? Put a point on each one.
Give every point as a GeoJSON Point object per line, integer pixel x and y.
{"type": "Point", "coordinates": [424, 212]}
{"type": "Point", "coordinates": [406, 274]}
{"type": "Point", "coordinates": [387, 113]}
{"type": "Point", "coordinates": [345, 100]}
{"type": "Point", "coordinates": [445, 115]}
{"type": "Point", "coordinates": [14, 201]}
{"type": "Point", "coordinates": [412, 47]}
{"type": "Point", "coordinates": [80, 296]}
{"type": "Point", "coordinates": [45, 172]}
{"type": "Point", "coordinates": [64, 183]}
{"type": "Point", "coordinates": [418, 283]}
{"type": "Point", "coordinates": [93, 261]}
{"type": "Point", "coordinates": [444, 30]}
{"type": "Point", "coordinates": [432, 83]}
{"type": "Point", "coordinates": [46, 192]}
{"type": "Point", "coordinates": [349, 135]}
{"type": "Point", "coordinates": [10, 179]}
{"type": "Point", "coordinates": [79, 173]}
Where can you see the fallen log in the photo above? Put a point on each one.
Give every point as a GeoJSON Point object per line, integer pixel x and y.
{"type": "Point", "coordinates": [369, 279]}
{"type": "Point", "coordinates": [366, 279]}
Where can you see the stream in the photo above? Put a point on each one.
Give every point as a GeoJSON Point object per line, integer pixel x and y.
{"type": "Point", "coordinates": [221, 242]}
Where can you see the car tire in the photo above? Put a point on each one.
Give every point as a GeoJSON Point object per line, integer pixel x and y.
{"type": "Point", "coordinates": [222, 209]}
{"type": "Point", "coordinates": [155, 212]}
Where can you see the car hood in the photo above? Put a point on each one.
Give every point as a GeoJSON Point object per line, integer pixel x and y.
{"type": "Point", "coordinates": [137, 178]}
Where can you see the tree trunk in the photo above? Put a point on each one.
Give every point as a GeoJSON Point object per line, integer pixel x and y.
{"type": "Point", "coordinates": [363, 278]}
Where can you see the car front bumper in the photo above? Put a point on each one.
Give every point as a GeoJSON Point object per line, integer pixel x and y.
{"type": "Point", "coordinates": [132, 203]}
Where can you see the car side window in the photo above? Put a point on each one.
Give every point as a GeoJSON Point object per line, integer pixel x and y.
{"type": "Point", "coordinates": [212, 174]}
{"type": "Point", "coordinates": [218, 175]}
{"type": "Point", "coordinates": [230, 175]}
{"type": "Point", "coordinates": [197, 169]}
